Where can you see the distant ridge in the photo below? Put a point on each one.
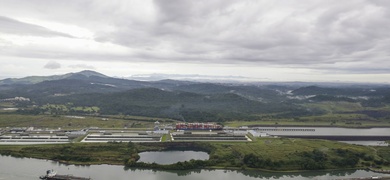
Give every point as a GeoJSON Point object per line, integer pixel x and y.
{"type": "Point", "coordinates": [38, 79]}
{"type": "Point", "coordinates": [90, 73]}
{"type": "Point", "coordinates": [196, 101]}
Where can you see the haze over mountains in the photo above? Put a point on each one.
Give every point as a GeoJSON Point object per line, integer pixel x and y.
{"type": "Point", "coordinates": [187, 100]}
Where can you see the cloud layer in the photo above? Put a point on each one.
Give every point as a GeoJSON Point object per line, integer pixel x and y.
{"type": "Point", "coordinates": [330, 36]}
{"type": "Point", "coordinates": [12, 26]}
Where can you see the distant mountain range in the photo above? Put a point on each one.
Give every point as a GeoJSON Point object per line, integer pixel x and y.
{"type": "Point", "coordinates": [187, 100]}
{"type": "Point", "coordinates": [192, 77]}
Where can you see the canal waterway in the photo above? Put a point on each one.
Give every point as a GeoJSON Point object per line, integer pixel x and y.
{"type": "Point", "coordinates": [366, 136]}
{"type": "Point", "coordinates": [30, 169]}
{"type": "Point", "coordinates": [170, 157]}
{"type": "Point", "coordinates": [367, 143]}
{"type": "Point", "coordinates": [324, 131]}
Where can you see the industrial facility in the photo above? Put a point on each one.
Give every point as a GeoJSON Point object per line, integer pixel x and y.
{"type": "Point", "coordinates": [198, 126]}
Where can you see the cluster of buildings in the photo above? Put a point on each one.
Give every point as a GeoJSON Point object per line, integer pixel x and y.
{"type": "Point", "coordinates": [160, 132]}
{"type": "Point", "coordinates": [185, 132]}
{"type": "Point", "coordinates": [198, 126]}
{"type": "Point", "coordinates": [32, 136]}
{"type": "Point", "coordinates": [179, 132]}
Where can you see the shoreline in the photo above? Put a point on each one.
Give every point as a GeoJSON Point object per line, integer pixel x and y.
{"type": "Point", "coordinates": [383, 171]}
{"type": "Point", "coordinates": [205, 168]}
{"type": "Point", "coordinates": [319, 126]}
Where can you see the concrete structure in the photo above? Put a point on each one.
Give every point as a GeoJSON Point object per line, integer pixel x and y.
{"type": "Point", "coordinates": [161, 132]}
{"type": "Point", "coordinates": [123, 137]}
{"type": "Point", "coordinates": [17, 130]}
{"type": "Point", "coordinates": [207, 136]}
{"type": "Point", "coordinates": [258, 134]}
{"type": "Point", "coordinates": [240, 132]}
{"type": "Point", "coordinates": [33, 139]}
{"type": "Point", "coordinates": [74, 134]}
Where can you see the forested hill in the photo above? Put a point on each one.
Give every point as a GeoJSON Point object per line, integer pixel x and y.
{"type": "Point", "coordinates": [343, 91]}
{"type": "Point", "coordinates": [183, 100]}
{"type": "Point", "coordinates": [172, 104]}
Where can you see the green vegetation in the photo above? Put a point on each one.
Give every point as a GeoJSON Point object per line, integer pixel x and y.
{"type": "Point", "coordinates": [91, 93]}
{"type": "Point", "coordinates": [384, 153]}
{"type": "Point", "coordinates": [340, 114]}
{"type": "Point", "coordinates": [6, 105]}
{"type": "Point", "coordinates": [166, 137]}
{"type": "Point", "coordinates": [281, 154]}
{"type": "Point", "coordinates": [75, 153]}
{"type": "Point", "coordinates": [292, 154]}
{"type": "Point", "coordinates": [57, 109]}
{"type": "Point", "coordinates": [71, 122]}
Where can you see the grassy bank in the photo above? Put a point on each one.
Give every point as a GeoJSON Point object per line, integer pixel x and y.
{"type": "Point", "coordinates": [267, 154]}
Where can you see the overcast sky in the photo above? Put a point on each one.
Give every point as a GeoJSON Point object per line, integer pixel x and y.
{"type": "Point", "coordinates": [277, 40]}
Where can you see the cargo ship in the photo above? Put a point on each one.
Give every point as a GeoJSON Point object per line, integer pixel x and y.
{"type": "Point", "coordinates": [52, 175]}
{"type": "Point", "coordinates": [198, 126]}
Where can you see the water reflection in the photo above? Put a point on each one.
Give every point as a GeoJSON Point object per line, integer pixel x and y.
{"type": "Point", "coordinates": [265, 175]}
{"type": "Point", "coordinates": [176, 172]}
{"type": "Point", "coordinates": [367, 143]}
{"type": "Point", "coordinates": [171, 157]}
{"type": "Point", "coordinates": [28, 168]}
{"type": "Point", "coordinates": [307, 174]}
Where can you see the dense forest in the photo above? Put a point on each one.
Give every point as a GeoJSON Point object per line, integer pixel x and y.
{"type": "Point", "coordinates": [187, 101]}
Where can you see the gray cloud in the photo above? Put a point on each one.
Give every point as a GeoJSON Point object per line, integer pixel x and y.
{"type": "Point", "coordinates": [318, 34]}
{"type": "Point", "coordinates": [246, 31]}
{"type": "Point", "coordinates": [12, 26]}
{"type": "Point", "coordinates": [52, 65]}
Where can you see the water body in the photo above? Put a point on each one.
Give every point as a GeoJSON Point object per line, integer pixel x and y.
{"type": "Point", "coordinates": [170, 157]}
{"type": "Point", "coordinates": [327, 131]}
{"type": "Point", "coordinates": [367, 143]}
{"type": "Point", "coordinates": [30, 169]}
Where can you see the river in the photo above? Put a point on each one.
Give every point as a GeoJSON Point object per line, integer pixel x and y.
{"type": "Point", "coordinates": [29, 169]}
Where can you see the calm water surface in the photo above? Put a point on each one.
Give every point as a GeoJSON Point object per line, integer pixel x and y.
{"type": "Point", "coordinates": [30, 169]}
{"type": "Point", "coordinates": [367, 143]}
{"type": "Point", "coordinates": [170, 157]}
{"type": "Point", "coordinates": [330, 131]}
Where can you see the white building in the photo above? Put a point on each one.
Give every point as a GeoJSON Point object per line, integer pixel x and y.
{"type": "Point", "coordinates": [258, 134]}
